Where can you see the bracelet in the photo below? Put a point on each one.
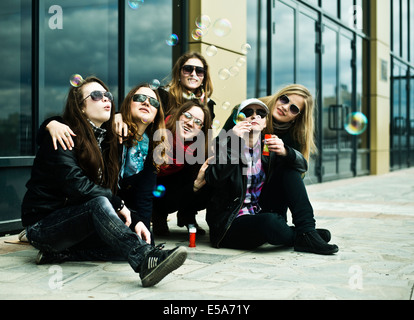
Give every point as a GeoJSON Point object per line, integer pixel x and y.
{"type": "Point", "coordinates": [121, 206]}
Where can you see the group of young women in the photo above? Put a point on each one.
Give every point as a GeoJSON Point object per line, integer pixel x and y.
{"type": "Point", "coordinates": [91, 197]}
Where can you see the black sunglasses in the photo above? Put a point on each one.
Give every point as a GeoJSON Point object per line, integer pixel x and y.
{"type": "Point", "coordinates": [188, 69]}
{"type": "Point", "coordinates": [99, 95]}
{"type": "Point", "coordinates": [249, 112]}
{"type": "Point", "coordinates": [293, 108]}
{"type": "Point", "coordinates": [139, 97]}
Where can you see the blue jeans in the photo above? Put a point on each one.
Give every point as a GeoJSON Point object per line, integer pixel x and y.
{"type": "Point", "coordinates": [96, 221]}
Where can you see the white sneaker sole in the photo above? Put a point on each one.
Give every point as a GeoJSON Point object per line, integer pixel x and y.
{"type": "Point", "coordinates": [173, 262]}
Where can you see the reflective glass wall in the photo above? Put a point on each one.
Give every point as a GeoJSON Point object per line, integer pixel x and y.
{"type": "Point", "coordinates": [402, 84]}
{"type": "Point", "coordinates": [45, 42]}
{"type": "Point", "coordinates": [322, 45]}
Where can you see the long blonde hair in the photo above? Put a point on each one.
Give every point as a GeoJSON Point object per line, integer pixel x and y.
{"type": "Point", "coordinates": [303, 129]}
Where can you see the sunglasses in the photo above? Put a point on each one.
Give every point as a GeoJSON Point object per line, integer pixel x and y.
{"type": "Point", "coordinates": [99, 95]}
{"type": "Point", "coordinates": [139, 97]}
{"type": "Point", "coordinates": [249, 112]}
{"type": "Point", "coordinates": [188, 69]}
{"type": "Point", "coordinates": [197, 121]}
{"type": "Point", "coordinates": [293, 108]}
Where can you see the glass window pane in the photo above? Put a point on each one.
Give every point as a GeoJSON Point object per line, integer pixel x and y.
{"type": "Point", "coordinates": [348, 12]}
{"type": "Point", "coordinates": [329, 100]}
{"type": "Point", "coordinates": [147, 29]}
{"type": "Point", "coordinates": [404, 29]}
{"type": "Point", "coordinates": [412, 32]}
{"type": "Point", "coordinates": [306, 53]}
{"type": "Point", "coordinates": [283, 46]}
{"type": "Point", "coordinates": [330, 6]}
{"type": "Point", "coordinates": [395, 25]}
{"type": "Point", "coordinates": [256, 59]}
{"type": "Point", "coordinates": [15, 84]}
{"type": "Point", "coordinates": [76, 37]}
{"type": "Point", "coordinates": [411, 122]}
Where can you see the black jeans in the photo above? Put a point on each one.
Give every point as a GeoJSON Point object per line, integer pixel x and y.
{"type": "Point", "coordinates": [179, 196]}
{"type": "Point", "coordinates": [69, 229]}
{"type": "Point", "coordinates": [284, 190]}
{"type": "Point", "coordinates": [251, 231]}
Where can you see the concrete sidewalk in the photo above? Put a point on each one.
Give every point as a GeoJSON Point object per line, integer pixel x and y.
{"type": "Point", "coordinates": [371, 220]}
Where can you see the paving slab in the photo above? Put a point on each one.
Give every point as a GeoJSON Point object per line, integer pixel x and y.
{"type": "Point", "coordinates": [371, 219]}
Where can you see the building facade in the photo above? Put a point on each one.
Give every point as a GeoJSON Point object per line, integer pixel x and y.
{"type": "Point", "coordinates": [355, 56]}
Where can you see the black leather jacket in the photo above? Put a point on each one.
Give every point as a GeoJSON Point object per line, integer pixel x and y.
{"type": "Point", "coordinates": [229, 183]}
{"type": "Point", "coordinates": [58, 181]}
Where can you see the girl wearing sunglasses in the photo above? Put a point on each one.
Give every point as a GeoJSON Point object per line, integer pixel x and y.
{"type": "Point", "coordinates": [291, 126]}
{"type": "Point", "coordinates": [142, 113]}
{"type": "Point", "coordinates": [184, 182]}
{"type": "Point", "coordinates": [190, 80]}
{"type": "Point", "coordinates": [70, 210]}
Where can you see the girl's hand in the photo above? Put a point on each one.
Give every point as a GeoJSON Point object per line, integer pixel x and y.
{"type": "Point", "coordinates": [61, 133]}
{"type": "Point", "coordinates": [200, 181]}
{"type": "Point", "coordinates": [121, 127]}
{"type": "Point", "coordinates": [276, 145]}
{"type": "Point", "coordinates": [126, 215]}
{"type": "Point", "coordinates": [143, 232]}
{"type": "Point", "coordinates": [242, 128]}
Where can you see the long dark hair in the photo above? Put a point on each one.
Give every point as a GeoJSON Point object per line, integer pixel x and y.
{"type": "Point", "coordinates": [101, 167]}
{"type": "Point", "coordinates": [157, 124]}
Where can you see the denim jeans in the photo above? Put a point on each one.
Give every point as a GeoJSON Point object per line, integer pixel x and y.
{"type": "Point", "coordinates": [71, 227]}
{"type": "Point", "coordinates": [251, 231]}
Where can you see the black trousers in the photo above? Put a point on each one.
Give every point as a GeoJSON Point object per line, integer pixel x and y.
{"type": "Point", "coordinates": [179, 196]}
{"type": "Point", "coordinates": [284, 190]}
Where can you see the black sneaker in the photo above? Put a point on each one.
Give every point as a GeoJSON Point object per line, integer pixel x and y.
{"type": "Point", "coordinates": [159, 263]}
{"type": "Point", "coordinates": [313, 243]}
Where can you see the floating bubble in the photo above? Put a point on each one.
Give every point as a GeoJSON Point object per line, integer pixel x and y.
{"type": "Point", "coordinates": [211, 51]}
{"type": "Point", "coordinates": [203, 22]}
{"type": "Point", "coordinates": [216, 124]}
{"type": "Point", "coordinates": [224, 74]}
{"type": "Point", "coordinates": [241, 61]}
{"type": "Point", "coordinates": [226, 105]}
{"type": "Point", "coordinates": [356, 123]}
{"type": "Point", "coordinates": [154, 84]}
{"type": "Point", "coordinates": [197, 34]}
{"type": "Point", "coordinates": [159, 191]}
{"type": "Point", "coordinates": [222, 27]}
{"type": "Point", "coordinates": [172, 40]}
{"type": "Point", "coordinates": [234, 71]}
{"type": "Point", "coordinates": [135, 4]}
{"type": "Point", "coordinates": [238, 117]}
{"type": "Point", "coordinates": [245, 48]}
{"type": "Point", "coordinates": [76, 80]}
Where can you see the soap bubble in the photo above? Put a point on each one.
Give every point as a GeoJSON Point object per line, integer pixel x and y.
{"type": "Point", "coordinates": [203, 22]}
{"type": "Point", "coordinates": [135, 4]}
{"type": "Point", "coordinates": [226, 105]}
{"type": "Point", "coordinates": [159, 191]}
{"type": "Point", "coordinates": [356, 123]}
{"type": "Point", "coordinates": [216, 124]}
{"type": "Point", "coordinates": [197, 34]}
{"type": "Point", "coordinates": [76, 80]}
{"type": "Point", "coordinates": [222, 27]}
{"type": "Point", "coordinates": [241, 61]}
{"type": "Point", "coordinates": [245, 48]}
{"type": "Point", "coordinates": [211, 51]}
{"type": "Point", "coordinates": [224, 74]}
{"type": "Point", "coordinates": [238, 117]}
{"type": "Point", "coordinates": [172, 40]}
{"type": "Point", "coordinates": [234, 71]}
{"type": "Point", "coordinates": [154, 84]}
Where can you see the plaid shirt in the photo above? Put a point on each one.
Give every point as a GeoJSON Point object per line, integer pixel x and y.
{"type": "Point", "coordinates": [255, 180]}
